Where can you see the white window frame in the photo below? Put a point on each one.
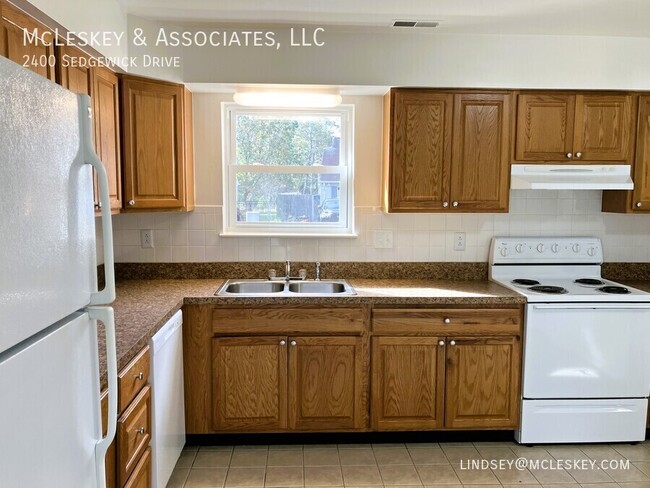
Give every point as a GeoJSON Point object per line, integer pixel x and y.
{"type": "Point", "coordinates": [343, 228]}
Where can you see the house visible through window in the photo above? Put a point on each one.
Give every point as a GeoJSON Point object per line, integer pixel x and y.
{"type": "Point", "coordinates": [288, 171]}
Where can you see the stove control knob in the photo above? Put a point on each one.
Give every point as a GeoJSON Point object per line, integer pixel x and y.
{"type": "Point", "coordinates": [540, 248]}
{"type": "Point", "coordinates": [519, 248]}
{"type": "Point", "coordinates": [555, 248]}
{"type": "Point", "coordinates": [505, 251]}
{"type": "Point", "coordinates": [591, 251]}
{"type": "Point", "coordinates": [576, 248]}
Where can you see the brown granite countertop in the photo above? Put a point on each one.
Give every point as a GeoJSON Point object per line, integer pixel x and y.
{"type": "Point", "coordinates": [143, 306]}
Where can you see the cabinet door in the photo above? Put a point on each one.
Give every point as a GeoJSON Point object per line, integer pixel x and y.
{"type": "Point", "coordinates": [38, 55]}
{"type": "Point", "coordinates": [420, 150]}
{"type": "Point", "coordinates": [407, 383]}
{"type": "Point", "coordinates": [479, 170]}
{"type": "Point", "coordinates": [482, 387]}
{"type": "Point", "coordinates": [641, 193]}
{"type": "Point", "coordinates": [545, 127]}
{"type": "Point", "coordinates": [154, 175]}
{"type": "Point", "coordinates": [107, 126]}
{"type": "Point", "coordinates": [249, 383]}
{"type": "Point", "coordinates": [326, 383]}
{"type": "Point", "coordinates": [603, 127]}
{"type": "Point", "coordinates": [141, 477]}
{"type": "Point", "coordinates": [75, 78]}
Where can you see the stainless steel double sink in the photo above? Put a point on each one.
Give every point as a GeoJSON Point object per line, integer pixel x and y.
{"type": "Point", "coordinates": [292, 288]}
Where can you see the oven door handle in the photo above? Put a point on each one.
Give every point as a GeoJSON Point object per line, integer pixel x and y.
{"type": "Point", "coordinates": [585, 306]}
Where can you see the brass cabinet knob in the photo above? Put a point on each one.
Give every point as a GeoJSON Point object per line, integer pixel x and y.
{"type": "Point", "coordinates": [140, 431]}
{"type": "Point", "coordinates": [445, 204]}
{"type": "Point", "coordinates": [452, 343]}
{"type": "Point", "coordinates": [455, 204]}
{"type": "Point", "coordinates": [293, 343]}
{"type": "Point", "coordinates": [447, 320]}
{"type": "Point", "coordinates": [578, 155]}
{"type": "Point", "coordinates": [639, 204]}
{"type": "Point", "coordinates": [569, 155]}
{"type": "Point", "coordinates": [441, 343]}
{"type": "Point", "coordinates": [131, 202]}
{"type": "Point", "coordinates": [283, 342]}
{"type": "Point", "coordinates": [140, 376]}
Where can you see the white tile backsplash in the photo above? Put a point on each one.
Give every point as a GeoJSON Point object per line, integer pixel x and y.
{"type": "Point", "coordinates": [417, 237]}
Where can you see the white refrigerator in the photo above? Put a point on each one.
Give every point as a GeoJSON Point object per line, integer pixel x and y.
{"type": "Point", "coordinates": [50, 419]}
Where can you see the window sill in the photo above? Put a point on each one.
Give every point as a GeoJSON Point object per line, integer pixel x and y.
{"type": "Point", "coordinates": [292, 234]}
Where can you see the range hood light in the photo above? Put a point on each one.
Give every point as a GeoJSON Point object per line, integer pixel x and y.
{"type": "Point", "coordinates": [287, 98]}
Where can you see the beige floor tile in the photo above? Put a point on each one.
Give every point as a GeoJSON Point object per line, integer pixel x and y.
{"type": "Point", "coordinates": [249, 458]}
{"type": "Point", "coordinates": [284, 476]}
{"type": "Point", "coordinates": [599, 485]}
{"type": "Point", "coordinates": [394, 475]}
{"type": "Point", "coordinates": [285, 458]}
{"type": "Point", "coordinates": [495, 444]}
{"type": "Point", "coordinates": [216, 448]}
{"type": "Point", "coordinates": [481, 486]}
{"type": "Point", "coordinates": [306, 447]}
{"type": "Point", "coordinates": [186, 459]}
{"type": "Point", "coordinates": [323, 476]}
{"type": "Point", "coordinates": [475, 476]}
{"type": "Point", "coordinates": [496, 453]}
{"type": "Point", "coordinates": [361, 475]}
{"type": "Point", "coordinates": [569, 453]}
{"type": "Point", "coordinates": [635, 484]}
{"type": "Point", "coordinates": [599, 452]}
{"type": "Point", "coordinates": [388, 445]}
{"type": "Point", "coordinates": [421, 445]}
{"type": "Point", "coordinates": [285, 447]}
{"type": "Point", "coordinates": [456, 444]}
{"type": "Point", "coordinates": [397, 455]}
{"type": "Point", "coordinates": [643, 466]}
{"type": "Point", "coordinates": [321, 457]}
{"type": "Point", "coordinates": [357, 457]}
{"type": "Point", "coordinates": [355, 446]}
{"type": "Point", "coordinates": [248, 477]}
{"type": "Point", "coordinates": [552, 476]}
{"type": "Point", "coordinates": [248, 447]}
{"type": "Point", "coordinates": [521, 485]}
{"type": "Point", "coordinates": [458, 454]}
{"type": "Point", "coordinates": [438, 475]}
{"type": "Point", "coordinates": [212, 459]}
{"type": "Point", "coordinates": [640, 452]}
{"type": "Point", "coordinates": [206, 478]}
{"type": "Point", "coordinates": [178, 477]}
{"type": "Point", "coordinates": [583, 476]}
{"type": "Point", "coordinates": [536, 453]}
{"type": "Point", "coordinates": [515, 476]}
{"type": "Point", "coordinates": [563, 485]}
{"type": "Point", "coordinates": [625, 475]}
{"type": "Point", "coordinates": [191, 448]}
{"type": "Point", "coordinates": [430, 455]}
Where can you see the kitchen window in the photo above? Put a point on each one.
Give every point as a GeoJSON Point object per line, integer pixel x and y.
{"type": "Point", "coordinates": [288, 172]}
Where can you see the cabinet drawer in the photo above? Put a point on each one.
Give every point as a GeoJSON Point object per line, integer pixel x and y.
{"type": "Point", "coordinates": [133, 434]}
{"type": "Point", "coordinates": [132, 378]}
{"type": "Point", "coordinates": [443, 322]}
{"type": "Point", "coordinates": [141, 477]}
{"type": "Point", "coordinates": [287, 321]}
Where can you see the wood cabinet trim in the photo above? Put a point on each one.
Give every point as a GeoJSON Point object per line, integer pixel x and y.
{"type": "Point", "coordinates": [141, 476]}
{"type": "Point", "coordinates": [129, 381]}
{"type": "Point", "coordinates": [641, 192]}
{"type": "Point", "coordinates": [130, 443]}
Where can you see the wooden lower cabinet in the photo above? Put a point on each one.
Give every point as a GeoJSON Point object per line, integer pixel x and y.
{"type": "Point", "coordinates": [133, 434]}
{"type": "Point", "coordinates": [326, 379]}
{"type": "Point", "coordinates": [141, 476]}
{"type": "Point", "coordinates": [250, 383]}
{"type": "Point", "coordinates": [482, 383]}
{"type": "Point", "coordinates": [408, 378]}
{"type": "Point", "coordinates": [278, 383]}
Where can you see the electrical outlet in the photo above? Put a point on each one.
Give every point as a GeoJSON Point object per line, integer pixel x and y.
{"type": "Point", "coordinates": [459, 241]}
{"type": "Point", "coordinates": [146, 239]}
{"type": "Point", "coordinates": [383, 239]}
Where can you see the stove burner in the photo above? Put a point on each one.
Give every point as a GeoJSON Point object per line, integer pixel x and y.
{"type": "Point", "coordinates": [551, 290]}
{"type": "Point", "coordinates": [617, 290]}
{"type": "Point", "coordinates": [589, 281]}
{"type": "Point", "coordinates": [521, 281]}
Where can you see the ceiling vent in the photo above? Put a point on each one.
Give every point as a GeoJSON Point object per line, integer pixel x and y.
{"type": "Point", "coordinates": [430, 24]}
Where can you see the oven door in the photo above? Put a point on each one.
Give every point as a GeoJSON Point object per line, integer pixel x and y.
{"type": "Point", "coordinates": [584, 350]}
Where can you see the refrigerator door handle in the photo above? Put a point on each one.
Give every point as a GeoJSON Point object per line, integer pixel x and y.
{"type": "Point", "coordinates": [107, 295]}
{"type": "Point", "coordinates": [105, 315]}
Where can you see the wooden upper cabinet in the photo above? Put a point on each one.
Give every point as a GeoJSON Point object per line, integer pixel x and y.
{"type": "Point", "coordinates": [408, 381]}
{"type": "Point", "coordinates": [575, 127]}
{"type": "Point", "coordinates": [482, 389]}
{"type": "Point", "coordinates": [75, 78]}
{"type": "Point", "coordinates": [417, 132]}
{"type": "Point", "coordinates": [326, 383]}
{"type": "Point", "coordinates": [38, 55]}
{"type": "Point", "coordinates": [249, 383]}
{"type": "Point", "coordinates": [544, 127]}
{"type": "Point", "coordinates": [604, 127]}
{"type": "Point", "coordinates": [641, 193]}
{"type": "Point", "coordinates": [479, 169]}
{"type": "Point", "coordinates": [158, 149]}
{"type": "Point", "coordinates": [106, 104]}
{"type": "Point", "coordinates": [446, 151]}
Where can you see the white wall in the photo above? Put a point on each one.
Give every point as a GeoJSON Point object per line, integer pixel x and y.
{"type": "Point", "coordinates": [417, 237]}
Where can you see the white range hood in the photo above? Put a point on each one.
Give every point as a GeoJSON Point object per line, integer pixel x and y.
{"type": "Point", "coordinates": [571, 177]}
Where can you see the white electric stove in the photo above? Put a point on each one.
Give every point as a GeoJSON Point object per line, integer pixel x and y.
{"type": "Point", "coordinates": [586, 362]}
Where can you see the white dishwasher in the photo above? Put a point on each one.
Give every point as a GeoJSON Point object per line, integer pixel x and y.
{"type": "Point", "coordinates": [168, 412]}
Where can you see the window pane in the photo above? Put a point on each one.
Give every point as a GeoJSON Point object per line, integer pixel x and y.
{"type": "Point", "coordinates": [288, 198]}
{"type": "Point", "coordinates": [292, 139]}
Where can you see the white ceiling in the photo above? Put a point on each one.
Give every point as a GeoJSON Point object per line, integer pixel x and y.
{"type": "Point", "coordinates": [629, 18]}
